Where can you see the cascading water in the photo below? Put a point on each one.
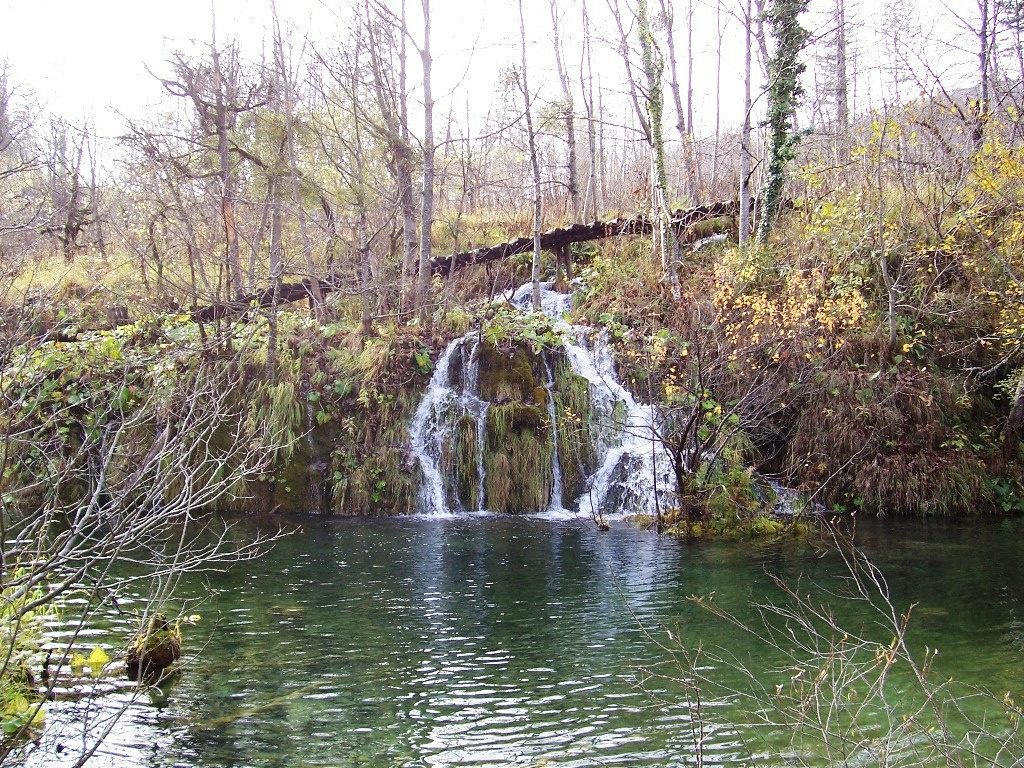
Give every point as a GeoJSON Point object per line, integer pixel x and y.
{"type": "Point", "coordinates": [556, 464]}
{"type": "Point", "coordinates": [450, 396]}
{"type": "Point", "coordinates": [635, 471]}
{"type": "Point", "coordinates": [630, 471]}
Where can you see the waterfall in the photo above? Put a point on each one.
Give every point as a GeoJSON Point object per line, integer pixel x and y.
{"type": "Point", "coordinates": [451, 395]}
{"type": "Point", "coordinates": [631, 471]}
{"type": "Point", "coordinates": [556, 466]}
{"type": "Point", "coordinates": [635, 472]}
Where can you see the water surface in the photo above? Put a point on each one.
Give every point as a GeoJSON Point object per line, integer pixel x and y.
{"type": "Point", "coordinates": [495, 641]}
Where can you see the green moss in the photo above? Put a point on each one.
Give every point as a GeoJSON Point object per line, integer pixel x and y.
{"type": "Point", "coordinates": [154, 649]}
{"type": "Point", "coordinates": [517, 459]}
{"type": "Point", "coordinates": [508, 377]}
{"type": "Point", "coordinates": [760, 526]}
{"type": "Point", "coordinates": [466, 455]}
{"type": "Point", "coordinates": [898, 443]}
{"type": "Point", "coordinates": [379, 486]}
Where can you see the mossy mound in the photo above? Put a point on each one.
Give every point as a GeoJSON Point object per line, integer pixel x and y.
{"type": "Point", "coordinates": [154, 650]}
{"type": "Point", "coordinates": [898, 439]}
{"type": "Point", "coordinates": [517, 459]}
{"type": "Point", "coordinates": [465, 463]}
{"type": "Point", "coordinates": [518, 376]}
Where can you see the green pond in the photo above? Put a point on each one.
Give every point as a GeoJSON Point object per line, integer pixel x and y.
{"type": "Point", "coordinates": [498, 641]}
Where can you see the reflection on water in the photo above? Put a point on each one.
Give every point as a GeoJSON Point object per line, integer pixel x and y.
{"type": "Point", "coordinates": [489, 641]}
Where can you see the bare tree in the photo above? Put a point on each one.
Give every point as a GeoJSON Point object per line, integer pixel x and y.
{"type": "Point", "coordinates": [427, 197]}
{"type": "Point", "coordinates": [652, 64]}
{"type": "Point", "coordinates": [19, 160]}
{"type": "Point", "coordinates": [286, 77]}
{"type": "Point", "coordinates": [591, 205]}
{"type": "Point", "coordinates": [842, 84]}
{"type": "Point", "coordinates": [390, 90]}
{"type": "Point", "coordinates": [568, 114]}
{"type": "Point", "coordinates": [684, 120]}
{"type": "Point", "coordinates": [217, 89]}
{"type": "Point", "coordinates": [745, 196]}
{"type": "Point", "coordinates": [71, 209]}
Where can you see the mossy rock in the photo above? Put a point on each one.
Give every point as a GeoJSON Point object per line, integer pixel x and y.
{"type": "Point", "coordinates": [466, 459]}
{"type": "Point", "coordinates": [381, 485]}
{"type": "Point", "coordinates": [517, 459]}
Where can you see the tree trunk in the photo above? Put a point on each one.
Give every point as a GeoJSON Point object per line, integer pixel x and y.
{"type": "Point", "coordinates": [427, 198]}
{"type": "Point", "coordinates": [331, 246]}
{"type": "Point", "coordinates": [842, 87]}
{"type": "Point", "coordinates": [94, 195]}
{"type": "Point", "coordinates": [634, 95]}
{"type": "Point", "coordinates": [984, 60]}
{"type": "Point", "coordinates": [222, 124]}
{"type": "Point", "coordinates": [883, 255]}
{"type": "Point", "coordinates": [315, 296]}
{"type": "Point", "coordinates": [590, 194]}
{"type": "Point", "coordinates": [784, 91]}
{"type": "Point", "coordinates": [744, 223]}
{"type": "Point", "coordinates": [276, 273]}
{"type": "Point", "coordinates": [685, 136]}
{"type": "Point", "coordinates": [671, 256]}
{"type": "Point", "coordinates": [718, 94]}
{"type": "Point", "coordinates": [534, 162]}
{"type": "Point", "coordinates": [393, 105]}
{"type": "Point", "coordinates": [602, 203]}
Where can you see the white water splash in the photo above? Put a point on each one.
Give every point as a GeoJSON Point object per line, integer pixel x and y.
{"type": "Point", "coordinates": [555, 505]}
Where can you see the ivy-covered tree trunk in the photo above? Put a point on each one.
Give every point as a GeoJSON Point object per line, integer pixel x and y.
{"type": "Point", "coordinates": [745, 202]}
{"type": "Point", "coordinates": [784, 91]}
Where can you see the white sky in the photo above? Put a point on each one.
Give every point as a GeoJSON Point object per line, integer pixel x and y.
{"type": "Point", "coordinates": [86, 58]}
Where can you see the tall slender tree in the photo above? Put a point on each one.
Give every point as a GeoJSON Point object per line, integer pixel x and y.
{"type": "Point", "coordinates": [684, 119]}
{"type": "Point", "coordinates": [427, 197]}
{"type": "Point", "coordinates": [286, 77]}
{"type": "Point", "coordinates": [653, 68]}
{"type": "Point", "coordinates": [569, 116]}
{"type": "Point", "coordinates": [220, 92]}
{"type": "Point", "coordinates": [745, 201]}
{"type": "Point", "coordinates": [842, 84]}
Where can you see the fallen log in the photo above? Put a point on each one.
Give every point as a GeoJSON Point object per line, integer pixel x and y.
{"type": "Point", "coordinates": [561, 237]}
{"type": "Point", "coordinates": [287, 293]}
{"type": "Point", "coordinates": [553, 239]}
